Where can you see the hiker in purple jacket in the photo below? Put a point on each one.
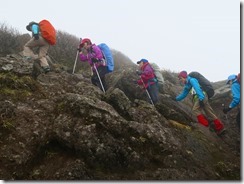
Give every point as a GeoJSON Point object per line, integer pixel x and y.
{"type": "Point", "coordinates": [93, 55]}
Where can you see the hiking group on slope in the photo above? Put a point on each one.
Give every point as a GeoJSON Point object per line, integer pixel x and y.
{"type": "Point", "coordinates": [149, 79]}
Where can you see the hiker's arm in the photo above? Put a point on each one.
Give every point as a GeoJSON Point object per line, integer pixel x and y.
{"type": "Point", "coordinates": [95, 53]}
{"type": "Point", "coordinates": [147, 74]}
{"type": "Point", "coordinates": [83, 57]}
{"type": "Point", "coordinates": [184, 93]}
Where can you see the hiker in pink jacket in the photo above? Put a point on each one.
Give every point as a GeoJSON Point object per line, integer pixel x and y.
{"type": "Point", "coordinates": [93, 55]}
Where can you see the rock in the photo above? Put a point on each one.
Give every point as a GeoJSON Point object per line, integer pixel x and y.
{"type": "Point", "coordinates": [60, 126]}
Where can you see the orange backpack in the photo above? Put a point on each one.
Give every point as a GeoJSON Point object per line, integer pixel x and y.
{"type": "Point", "coordinates": [48, 32]}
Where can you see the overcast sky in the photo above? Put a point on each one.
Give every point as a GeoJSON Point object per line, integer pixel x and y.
{"type": "Point", "coordinates": [191, 35]}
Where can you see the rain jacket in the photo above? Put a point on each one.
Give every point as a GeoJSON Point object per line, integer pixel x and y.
{"type": "Point", "coordinates": [93, 53]}
{"type": "Point", "coordinates": [147, 76]}
{"type": "Point", "coordinates": [235, 88]}
{"type": "Point", "coordinates": [191, 83]}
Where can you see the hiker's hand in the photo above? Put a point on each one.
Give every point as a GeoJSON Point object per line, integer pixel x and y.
{"type": "Point", "coordinates": [94, 60]}
{"type": "Point", "coordinates": [135, 82]}
{"type": "Point", "coordinates": [83, 51]}
{"type": "Point", "coordinates": [226, 109]}
{"type": "Point", "coordinates": [138, 72]}
{"type": "Point", "coordinates": [173, 97]}
{"type": "Point", "coordinates": [36, 36]}
{"type": "Point", "coordinates": [201, 103]}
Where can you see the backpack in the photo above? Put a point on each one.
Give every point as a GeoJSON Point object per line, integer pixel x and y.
{"type": "Point", "coordinates": [107, 55]}
{"type": "Point", "coordinates": [48, 32]}
{"type": "Point", "coordinates": [204, 83]}
{"type": "Point", "coordinates": [157, 73]}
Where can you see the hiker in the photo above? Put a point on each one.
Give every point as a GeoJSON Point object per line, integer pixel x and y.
{"type": "Point", "coordinates": [37, 41]}
{"type": "Point", "coordinates": [148, 80]}
{"type": "Point", "coordinates": [92, 54]}
{"type": "Point", "coordinates": [200, 102]}
{"type": "Point", "coordinates": [236, 96]}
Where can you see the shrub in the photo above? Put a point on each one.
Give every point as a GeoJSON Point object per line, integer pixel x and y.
{"type": "Point", "coordinates": [9, 39]}
{"type": "Point", "coordinates": [65, 50]}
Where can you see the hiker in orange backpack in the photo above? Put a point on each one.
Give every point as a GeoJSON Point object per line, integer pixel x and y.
{"type": "Point", "coordinates": [234, 81]}
{"type": "Point", "coordinates": [36, 41]}
{"type": "Point", "coordinates": [200, 102]}
{"type": "Point", "coordinates": [92, 54]}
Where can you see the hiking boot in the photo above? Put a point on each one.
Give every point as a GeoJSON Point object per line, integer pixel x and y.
{"type": "Point", "coordinates": [46, 69]}
{"type": "Point", "coordinates": [221, 131]}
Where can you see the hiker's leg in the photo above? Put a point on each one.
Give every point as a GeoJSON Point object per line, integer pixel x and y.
{"type": "Point", "coordinates": [202, 120]}
{"type": "Point", "coordinates": [218, 125]}
{"type": "Point", "coordinates": [153, 92]}
{"type": "Point", "coordinates": [198, 113]}
{"type": "Point", "coordinates": [209, 110]}
{"type": "Point", "coordinates": [196, 109]}
{"type": "Point", "coordinates": [44, 46]}
{"type": "Point", "coordinates": [102, 70]}
{"type": "Point", "coordinates": [238, 118]}
{"type": "Point", "coordinates": [28, 48]}
{"type": "Point", "coordinates": [94, 79]}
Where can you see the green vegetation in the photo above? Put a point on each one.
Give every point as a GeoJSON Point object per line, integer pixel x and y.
{"type": "Point", "coordinates": [8, 124]}
{"type": "Point", "coordinates": [15, 87]}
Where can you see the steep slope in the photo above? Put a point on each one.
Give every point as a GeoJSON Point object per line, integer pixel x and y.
{"type": "Point", "coordinates": [60, 126]}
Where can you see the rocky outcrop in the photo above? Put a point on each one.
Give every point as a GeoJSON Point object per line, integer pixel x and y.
{"type": "Point", "coordinates": [61, 127]}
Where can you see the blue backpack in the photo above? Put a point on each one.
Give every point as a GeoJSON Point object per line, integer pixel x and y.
{"type": "Point", "coordinates": [107, 56]}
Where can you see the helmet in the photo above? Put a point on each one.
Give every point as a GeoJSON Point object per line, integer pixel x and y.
{"type": "Point", "coordinates": [182, 74]}
{"type": "Point", "coordinates": [231, 78]}
{"type": "Point", "coordinates": [85, 40]}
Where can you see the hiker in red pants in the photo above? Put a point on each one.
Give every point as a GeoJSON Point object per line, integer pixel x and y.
{"type": "Point", "coordinates": [200, 102]}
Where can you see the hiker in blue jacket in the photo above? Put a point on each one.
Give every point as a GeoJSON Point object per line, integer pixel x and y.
{"type": "Point", "coordinates": [200, 102]}
{"type": "Point", "coordinates": [236, 96]}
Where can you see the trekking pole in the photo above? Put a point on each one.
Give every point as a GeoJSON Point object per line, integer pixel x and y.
{"type": "Point", "coordinates": [99, 77]}
{"type": "Point", "coordinates": [147, 91]}
{"type": "Point", "coordinates": [76, 58]}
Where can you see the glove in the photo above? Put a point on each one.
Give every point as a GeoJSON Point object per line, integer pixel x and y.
{"type": "Point", "coordinates": [226, 109]}
{"type": "Point", "coordinates": [36, 36]}
{"type": "Point", "coordinates": [138, 72]}
{"type": "Point", "coordinates": [201, 103]}
{"type": "Point", "coordinates": [173, 98]}
{"type": "Point", "coordinates": [135, 82]}
{"type": "Point", "coordinates": [79, 49]}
